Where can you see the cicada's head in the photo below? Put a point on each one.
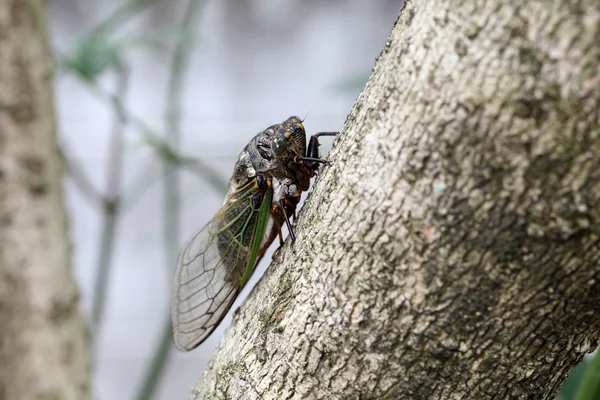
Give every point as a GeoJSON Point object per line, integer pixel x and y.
{"type": "Point", "coordinates": [289, 138]}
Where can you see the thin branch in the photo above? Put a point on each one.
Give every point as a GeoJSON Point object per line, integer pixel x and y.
{"type": "Point", "coordinates": [151, 138]}
{"type": "Point", "coordinates": [172, 201]}
{"type": "Point", "coordinates": [148, 176]}
{"type": "Point", "coordinates": [80, 179]}
{"type": "Point", "coordinates": [193, 164]}
{"type": "Point", "coordinates": [159, 359]}
{"type": "Point", "coordinates": [126, 11]}
{"type": "Point", "coordinates": [111, 207]}
{"type": "Point", "coordinates": [199, 167]}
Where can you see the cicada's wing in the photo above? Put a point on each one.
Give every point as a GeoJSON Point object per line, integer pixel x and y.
{"type": "Point", "coordinates": [216, 263]}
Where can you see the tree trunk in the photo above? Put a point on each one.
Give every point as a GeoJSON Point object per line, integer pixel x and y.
{"type": "Point", "coordinates": [451, 248]}
{"type": "Point", "coordinates": [43, 352]}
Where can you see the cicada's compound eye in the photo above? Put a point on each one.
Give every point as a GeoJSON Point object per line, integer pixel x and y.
{"type": "Point", "coordinates": [278, 145]}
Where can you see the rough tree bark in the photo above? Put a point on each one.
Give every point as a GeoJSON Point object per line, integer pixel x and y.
{"type": "Point", "coordinates": [451, 249]}
{"type": "Point", "coordinates": [43, 352]}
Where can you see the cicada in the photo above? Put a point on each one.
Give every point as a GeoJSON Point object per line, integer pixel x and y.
{"type": "Point", "coordinates": [268, 179]}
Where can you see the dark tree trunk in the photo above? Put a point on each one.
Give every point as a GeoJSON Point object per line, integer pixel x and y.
{"type": "Point", "coordinates": [451, 249]}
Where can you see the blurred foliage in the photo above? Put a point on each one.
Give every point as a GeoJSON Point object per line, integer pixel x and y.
{"type": "Point", "coordinates": [589, 389]}
{"type": "Point", "coordinates": [102, 51]}
{"type": "Point", "coordinates": [127, 10]}
{"type": "Point", "coordinates": [571, 385]}
{"type": "Point", "coordinates": [583, 382]}
{"type": "Point", "coordinates": [98, 52]}
{"type": "Point", "coordinates": [93, 55]}
{"type": "Point", "coordinates": [352, 83]}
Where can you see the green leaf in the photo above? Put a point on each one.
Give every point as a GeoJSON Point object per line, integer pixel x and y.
{"type": "Point", "coordinates": [98, 52]}
{"type": "Point", "coordinates": [590, 385]}
{"type": "Point", "coordinates": [93, 56]}
{"type": "Point", "coordinates": [569, 388]}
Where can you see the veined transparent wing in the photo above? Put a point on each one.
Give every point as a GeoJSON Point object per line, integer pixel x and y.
{"type": "Point", "coordinates": [216, 263]}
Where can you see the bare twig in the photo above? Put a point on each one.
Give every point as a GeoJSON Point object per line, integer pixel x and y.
{"type": "Point", "coordinates": [193, 164]}
{"type": "Point", "coordinates": [172, 201]}
{"type": "Point", "coordinates": [148, 176]}
{"type": "Point", "coordinates": [111, 207]}
{"type": "Point", "coordinates": [80, 179]}
{"type": "Point", "coordinates": [199, 167]}
{"type": "Point", "coordinates": [150, 137]}
{"type": "Point", "coordinates": [126, 11]}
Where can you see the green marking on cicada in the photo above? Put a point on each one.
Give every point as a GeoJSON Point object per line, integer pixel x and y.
{"type": "Point", "coordinates": [261, 226]}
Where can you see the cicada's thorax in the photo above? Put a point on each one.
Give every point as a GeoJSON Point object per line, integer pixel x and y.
{"type": "Point", "coordinates": [258, 156]}
{"type": "Point", "coordinates": [243, 201]}
{"type": "Point", "coordinates": [273, 153]}
{"type": "Point", "coordinates": [243, 171]}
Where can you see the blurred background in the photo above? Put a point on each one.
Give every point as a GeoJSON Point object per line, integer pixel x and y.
{"type": "Point", "coordinates": [155, 99]}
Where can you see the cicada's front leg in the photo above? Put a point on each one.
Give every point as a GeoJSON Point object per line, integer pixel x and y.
{"type": "Point", "coordinates": [312, 150]}
{"type": "Point", "coordinates": [306, 167]}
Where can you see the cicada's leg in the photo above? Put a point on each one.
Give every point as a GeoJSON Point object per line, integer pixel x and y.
{"type": "Point", "coordinates": [275, 230]}
{"type": "Point", "coordinates": [281, 206]}
{"type": "Point", "coordinates": [312, 151]}
{"type": "Point", "coordinates": [302, 172]}
{"type": "Point", "coordinates": [279, 215]}
{"type": "Point", "coordinates": [311, 160]}
{"type": "Point", "coordinates": [289, 201]}
{"type": "Point", "coordinates": [284, 206]}
{"type": "Point", "coordinates": [276, 253]}
{"type": "Point", "coordinates": [262, 181]}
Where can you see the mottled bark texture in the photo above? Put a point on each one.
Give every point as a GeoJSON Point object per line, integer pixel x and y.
{"type": "Point", "coordinates": [43, 353]}
{"type": "Point", "coordinates": [451, 249]}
